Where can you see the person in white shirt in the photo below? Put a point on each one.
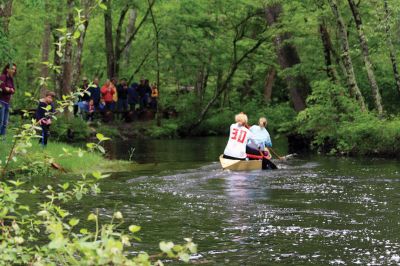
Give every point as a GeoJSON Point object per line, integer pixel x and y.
{"type": "Point", "coordinates": [261, 139]}
{"type": "Point", "coordinates": [239, 136]}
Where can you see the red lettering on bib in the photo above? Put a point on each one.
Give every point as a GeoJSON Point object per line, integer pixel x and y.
{"type": "Point", "coordinates": [239, 137]}
{"type": "Point", "coordinates": [242, 136]}
{"type": "Point", "coordinates": [234, 133]}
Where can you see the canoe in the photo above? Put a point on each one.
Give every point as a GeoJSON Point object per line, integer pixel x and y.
{"type": "Point", "coordinates": [239, 165]}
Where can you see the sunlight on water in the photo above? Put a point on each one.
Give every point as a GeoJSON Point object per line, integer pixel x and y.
{"type": "Point", "coordinates": [323, 211]}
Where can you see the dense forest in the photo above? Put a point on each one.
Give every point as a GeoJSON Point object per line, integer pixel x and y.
{"type": "Point", "coordinates": [321, 71]}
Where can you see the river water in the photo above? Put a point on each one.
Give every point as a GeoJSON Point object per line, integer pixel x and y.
{"type": "Point", "coordinates": [313, 210]}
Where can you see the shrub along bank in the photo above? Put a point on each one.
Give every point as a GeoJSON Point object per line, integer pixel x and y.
{"type": "Point", "coordinates": [336, 125]}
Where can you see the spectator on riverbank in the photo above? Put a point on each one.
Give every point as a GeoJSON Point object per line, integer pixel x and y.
{"type": "Point", "coordinates": [141, 90]}
{"type": "Point", "coordinates": [83, 102]}
{"type": "Point", "coordinates": [95, 94]}
{"type": "Point", "coordinates": [122, 91]}
{"type": "Point", "coordinates": [133, 96]}
{"type": "Point", "coordinates": [115, 96]}
{"type": "Point", "coordinates": [7, 89]}
{"type": "Point", "coordinates": [107, 93]}
{"type": "Point", "coordinates": [43, 116]}
{"type": "Point", "coordinates": [91, 110]}
{"type": "Point", "coordinates": [154, 96]}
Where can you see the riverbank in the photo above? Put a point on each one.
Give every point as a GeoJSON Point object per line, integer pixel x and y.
{"type": "Point", "coordinates": [61, 157]}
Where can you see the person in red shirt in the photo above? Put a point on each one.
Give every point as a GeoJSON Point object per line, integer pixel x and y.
{"type": "Point", "coordinates": [107, 93]}
{"type": "Point", "coordinates": [7, 89]}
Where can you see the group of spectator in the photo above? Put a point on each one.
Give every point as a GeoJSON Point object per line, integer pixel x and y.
{"type": "Point", "coordinates": [115, 96]}
{"type": "Point", "coordinates": [112, 97]}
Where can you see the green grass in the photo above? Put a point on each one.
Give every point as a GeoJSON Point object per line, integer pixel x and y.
{"type": "Point", "coordinates": [64, 155]}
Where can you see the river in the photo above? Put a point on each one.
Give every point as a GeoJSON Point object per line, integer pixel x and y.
{"type": "Point", "coordinates": [313, 210]}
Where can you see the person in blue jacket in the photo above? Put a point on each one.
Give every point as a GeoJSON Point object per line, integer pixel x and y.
{"type": "Point", "coordinates": [261, 140]}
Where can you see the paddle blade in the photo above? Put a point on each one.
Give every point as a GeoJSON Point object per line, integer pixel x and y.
{"type": "Point", "coordinates": [268, 165]}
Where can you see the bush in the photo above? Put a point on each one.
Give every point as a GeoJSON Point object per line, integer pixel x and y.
{"type": "Point", "coordinates": [167, 130]}
{"type": "Point", "coordinates": [336, 124]}
{"type": "Point", "coordinates": [60, 127]}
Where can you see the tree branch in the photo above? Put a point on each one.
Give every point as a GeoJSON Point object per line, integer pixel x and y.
{"type": "Point", "coordinates": [130, 39]}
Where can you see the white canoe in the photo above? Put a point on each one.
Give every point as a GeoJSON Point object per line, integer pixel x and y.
{"type": "Point", "coordinates": [239, 165]}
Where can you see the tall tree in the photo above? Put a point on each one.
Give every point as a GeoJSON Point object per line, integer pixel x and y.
{"type": "Point", "coordinates": [130, 28]}
{"type": "Point", "coordinates": [223, 81]}
{"type": "Point", "coordinates": [390, 45]}
{"type": "Point", "coordinates": [5, 14]}
{"type": "Point", "coordinates": [116, 48]}
{"type": "Point", "coordinates": [108, 35]}
{"type": "Point", "coordinates": [348, 64]}
{"type": "Point", "coordinates": [68, 60]}
{"type": "Point", "coordinates": [327, 46]}
{"type": "Point", "coordinates": [86, 4]}
{"type": "Point", "coordinates": [58, 52]}
{"type": "Point", "coordinates": [367, 61]}
{"type": "Point", "coordinates": [46, 43]}
{"type": "Point", "coordinates": [268, 84]}
{"type": "Point", "coordinates": [288, 57]}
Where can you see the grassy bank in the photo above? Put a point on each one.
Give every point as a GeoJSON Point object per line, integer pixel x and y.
{"type": "Point", "coordinates": [71, 159]}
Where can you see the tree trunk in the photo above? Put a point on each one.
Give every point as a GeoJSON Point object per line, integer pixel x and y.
{"type": "Point", "coordinates": [117, 50]}
{"type": "Point", "coordinates": [44, 72]}
{"type": "Point", "coordinates": [201, 82]}
{"type": "Point", "coordinates": [222, 85]}
{"type": "Point", "coordinates": [390, 45]}
{"type": "Point", "coordinates": [130, 28]}
{"type": "Point", "coordinates": [76, 74]}
{"type": "Point", "coordinates": [5, 14]}
{"type": "Point", "coordinates": [157, 34]}
{"type": "Point", "coordinates": [287, 58]}
{"type": "Point", "coordinates": [67, 65]}
{"type": "Point", "coordinates": [365, 51]}
{"type": "Point", "coordinates": [109, 40]}
{"type": "Point", "coordinates": [268, 84]}
{"type": "Point", "coordinates": [348, 64]}
{"type": "Point", "coordinates": [57, 75]}
{"type": "Point", "coordinates": [327, 46]}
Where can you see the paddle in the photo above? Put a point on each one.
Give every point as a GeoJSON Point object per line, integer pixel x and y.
{"type": "Point", "coordinates": [276, 155]}
{"type": "Point", "coordinates": [267, 164]}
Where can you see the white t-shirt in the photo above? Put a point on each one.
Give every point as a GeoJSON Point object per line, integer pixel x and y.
{"type": "Point", "coordinates": [238, 138]}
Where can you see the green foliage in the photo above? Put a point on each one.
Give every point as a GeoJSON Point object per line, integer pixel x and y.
{"type": "Point", "coordinates": [79, 127]}
{"type": "Point", "coordinates": [217, 123]}
{"type": "Point", "coordinates": [6, 51]}
{"type": "Point", "coordinates": [168, 129]}
{"type": "Point", "coordinates": [49, 234]}
{"type": "Point", "coordinates": [337, 125]}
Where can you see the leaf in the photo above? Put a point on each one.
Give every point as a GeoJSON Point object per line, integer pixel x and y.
{"type": "Point", "coordinates": [134, 228]}
{"type": "Point", "coordinates": [166, 246]}
{"type": "Point", "coordinates": [101, 149]}
{"type": "Point", "coordinates": [92, 217]}
{"type": "Point", "coordinates": [102, 6]}
{"type": "Point", "coordinates": [78, 195]}
{"type": "Point", "coordinates": [77, 34]}
{"type": "Point", "coordinates": [65, 186]}
{"type": "Point", "coordinates": [57, 243]}
{"type": "Point", "coordinates": [185, 257]}
{"type": "Point", "coordinates": [90, 145]}
{"type": "Point", "coordinates": [73, 222]}
{"type": "Point", "coordinates": [99, 136]}
{"type": "Point", "coordinates": [62, 30]}
{"type": "Point", "coordinates": [96, 174]}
